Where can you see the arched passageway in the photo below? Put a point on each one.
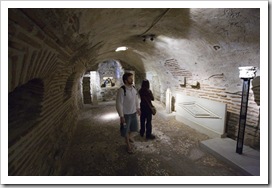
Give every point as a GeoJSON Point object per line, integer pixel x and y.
{"type": "Point", "coordinates": [193, 52]}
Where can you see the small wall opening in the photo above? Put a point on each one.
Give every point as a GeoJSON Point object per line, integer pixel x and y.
{"type": "Point", "coordinates": [24, 108]}
{"type": "Point", "coordinates": [86, 86]}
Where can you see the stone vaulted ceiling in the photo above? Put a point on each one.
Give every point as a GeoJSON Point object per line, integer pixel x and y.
{"type": "Point", "coordinates": [198, 39]}
{"type": "Point", "coordinates": [194, 52]}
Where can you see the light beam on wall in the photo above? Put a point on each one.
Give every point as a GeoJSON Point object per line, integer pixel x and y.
{"type": "Point", "coordinates": [122, 48]}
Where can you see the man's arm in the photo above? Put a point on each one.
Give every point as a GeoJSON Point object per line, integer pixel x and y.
{"type": "Point", "coordinates": [119, 102]}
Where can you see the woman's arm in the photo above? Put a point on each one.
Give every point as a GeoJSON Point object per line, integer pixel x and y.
{"type": "Point", "coordinates": [151, 95]}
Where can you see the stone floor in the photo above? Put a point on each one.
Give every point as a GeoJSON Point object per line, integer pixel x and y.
{"type": "Point", "coordinates": [97, 149]}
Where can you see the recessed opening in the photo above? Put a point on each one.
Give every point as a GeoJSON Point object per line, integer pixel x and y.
{"type": "Point", "coordinates": [24, 108]}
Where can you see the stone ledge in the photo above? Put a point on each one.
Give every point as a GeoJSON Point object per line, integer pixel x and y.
{"type": "Point", "coordinates": [225, 149]}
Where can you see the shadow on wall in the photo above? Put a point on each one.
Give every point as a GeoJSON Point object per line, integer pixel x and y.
{"type": "Point", "coordinates": [256, 91]}
{"type": "Point", "coordinates": [24, 108]}
{"type": "Point", "coordinates": [69, 87]}
{"type": "Point", "coordinates": [173, 101]}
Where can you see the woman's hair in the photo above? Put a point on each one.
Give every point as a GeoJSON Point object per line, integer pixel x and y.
{"type": "Point", "coordinates": [126, 75]}
{"type": "Point", "coordinates": [145, 84]}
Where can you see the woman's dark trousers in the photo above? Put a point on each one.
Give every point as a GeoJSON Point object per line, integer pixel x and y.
{"type": "Point", "coordinates": [145, 120]}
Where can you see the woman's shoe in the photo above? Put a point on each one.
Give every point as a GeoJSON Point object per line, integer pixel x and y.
{"type": "Point", "coordinates": [150, 137]}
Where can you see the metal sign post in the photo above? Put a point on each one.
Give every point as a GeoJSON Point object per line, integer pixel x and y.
{"type": "Point", "coordinates": [246, 73]}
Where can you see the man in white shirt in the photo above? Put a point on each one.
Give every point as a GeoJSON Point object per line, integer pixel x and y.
{"type": "Point", "coordinates": [127, 106]}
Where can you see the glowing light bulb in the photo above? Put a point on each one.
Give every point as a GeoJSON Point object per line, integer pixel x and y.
{"type": "Point", "coordinates": [122, 48]}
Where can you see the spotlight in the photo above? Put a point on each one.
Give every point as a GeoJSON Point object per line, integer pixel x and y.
{"type": "Point", "coordinates": [144, 38]}
{"type": "Point", "coordinates": [122, 48]}
{"type": "Point", "coordinates": [152, 36]}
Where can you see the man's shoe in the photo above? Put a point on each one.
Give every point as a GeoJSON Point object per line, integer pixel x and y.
{"type": "Point", "coordinates": [142, 134]}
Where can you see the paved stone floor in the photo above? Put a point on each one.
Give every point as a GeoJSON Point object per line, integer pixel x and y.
{"type": "Point", "coordinates": [97, 149]}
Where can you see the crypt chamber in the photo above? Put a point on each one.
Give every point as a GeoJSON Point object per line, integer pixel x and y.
{"type": "Point", "coordinates": [66, 65]}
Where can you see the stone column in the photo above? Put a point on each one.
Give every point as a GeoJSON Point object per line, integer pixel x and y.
{"type": "Point", "coordinates": [168, 101]}
{"type": "Point", "coordinates": [246, 73]}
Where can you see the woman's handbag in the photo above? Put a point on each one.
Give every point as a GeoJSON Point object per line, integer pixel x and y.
{"type": "Point", "coordinates": [153, 109]}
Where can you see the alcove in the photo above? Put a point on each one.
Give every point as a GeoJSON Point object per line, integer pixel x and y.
{"type": "Point", "coordinates": [24, 108]}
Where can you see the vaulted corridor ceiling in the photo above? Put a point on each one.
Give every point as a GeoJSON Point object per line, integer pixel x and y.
{"type": "Point", "coordinates": [198, 38]}
{"type": "Point", "coordinates": [52, 53]}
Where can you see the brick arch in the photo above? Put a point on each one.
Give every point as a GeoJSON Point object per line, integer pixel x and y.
{"type": "Point", "coordinates": [24, 108]}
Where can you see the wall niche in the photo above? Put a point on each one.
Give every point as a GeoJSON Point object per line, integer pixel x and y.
{"type": "Point", "coordinates": [24, 108]}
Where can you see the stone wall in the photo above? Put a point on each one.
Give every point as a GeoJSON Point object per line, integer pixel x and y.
{"type": "Point", "coordinates": [44, 97]}
{"type": "Point", "coordinates": [215, 88]}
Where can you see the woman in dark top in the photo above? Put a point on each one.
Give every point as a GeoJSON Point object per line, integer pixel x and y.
{"type": "Point", "coordinates": [146, 113]}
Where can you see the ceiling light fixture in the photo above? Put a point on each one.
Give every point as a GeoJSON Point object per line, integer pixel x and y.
{"type": "Point", "coordinates": [151, 37]}
{"type": "Point", "coordinates": [122, 48]}
{"type": "Point", "coordinates": [144, 38]}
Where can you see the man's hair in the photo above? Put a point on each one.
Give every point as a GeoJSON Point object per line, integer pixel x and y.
{"type": "Point", "coordinates": [126, 75]}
